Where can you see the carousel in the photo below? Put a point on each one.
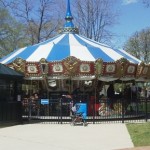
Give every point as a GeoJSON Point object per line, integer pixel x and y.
{"type": "Point", "coordinates": [70, 64]}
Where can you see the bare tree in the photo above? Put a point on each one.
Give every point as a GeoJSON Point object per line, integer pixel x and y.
{"type": "Point", "coordinates": [139, 45]}
{"type": "Point", "coordinates": [94, 18]}
{"type": "Point", "coordinates": [2, 3]}
{"type": "Point", "coordinates": [133, 45]}
{"type": "Point", "coordinates": [39, 18]}
{"type": "Point", "coordinates": [42, 19]}
{"type": "Point", "coordinates": [145, 44]}
{"type": "Point", "coordinates": [146, 3]}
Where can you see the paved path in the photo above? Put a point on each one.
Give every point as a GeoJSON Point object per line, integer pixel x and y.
{"type": "Point", "coordinates": [65, 137]}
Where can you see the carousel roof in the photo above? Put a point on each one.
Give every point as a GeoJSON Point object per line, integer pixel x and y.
{"type": "Point", "coordinates": [66, 44]}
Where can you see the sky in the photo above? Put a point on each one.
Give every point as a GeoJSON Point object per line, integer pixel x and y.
{"type": "Point", "coordinates": [133, 16]}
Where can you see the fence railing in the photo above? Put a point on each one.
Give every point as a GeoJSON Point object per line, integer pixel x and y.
{"type": "Point", "coordinates": [59, 111]}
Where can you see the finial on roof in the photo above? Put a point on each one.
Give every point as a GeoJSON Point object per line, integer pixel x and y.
{"type": "Point", "coordinates": [68, 17]}
{"type": "Point", "coordinates": [69, 26]}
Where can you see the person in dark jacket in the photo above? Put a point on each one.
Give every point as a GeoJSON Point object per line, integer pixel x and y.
{"type": "Point", "coordinates": [111, 95]}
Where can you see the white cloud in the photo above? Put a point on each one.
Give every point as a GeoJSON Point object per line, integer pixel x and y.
{"type": "Point", "coordinates": [126, 2]}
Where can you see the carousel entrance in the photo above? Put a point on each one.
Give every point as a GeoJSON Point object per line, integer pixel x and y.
{"type": "Point", "coordinates": [52, 100]}
{"type": "Point", "coordinates": [50, 110]}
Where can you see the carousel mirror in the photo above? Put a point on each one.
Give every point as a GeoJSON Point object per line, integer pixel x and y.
{"type": "Point", "coordinates": [52, 83]}
{"type": "Point", "coordinates": [88, 83]}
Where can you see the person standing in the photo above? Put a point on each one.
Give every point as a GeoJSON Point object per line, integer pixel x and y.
{"type": "Point", "coordinates": [111, 95]}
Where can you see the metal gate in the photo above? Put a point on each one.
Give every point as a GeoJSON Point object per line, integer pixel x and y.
{"type": "Point", "coordinates": [47, 110]}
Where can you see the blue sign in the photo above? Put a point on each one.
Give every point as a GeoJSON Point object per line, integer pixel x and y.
{"type": "Point", "coordinates": [44, 101]}
{"type": "Point", "coordinates": [82, 108]}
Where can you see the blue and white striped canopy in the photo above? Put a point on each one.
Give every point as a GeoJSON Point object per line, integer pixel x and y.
{"type": "Point", "coordinates": [68, 44]}
{"type": "Point", "coordinates": [65, 45]}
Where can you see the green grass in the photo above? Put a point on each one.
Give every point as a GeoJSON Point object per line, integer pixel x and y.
{"type": "Point", "coordinates": [140, 134]}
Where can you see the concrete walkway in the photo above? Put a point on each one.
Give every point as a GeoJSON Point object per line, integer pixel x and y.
{"type": "Point", "coordinates": [65, 137]}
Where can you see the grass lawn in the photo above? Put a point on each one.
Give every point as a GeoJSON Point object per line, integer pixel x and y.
{"type": "Point", "coordinates": [140, 134]}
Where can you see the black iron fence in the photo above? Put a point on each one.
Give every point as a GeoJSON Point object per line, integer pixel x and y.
{"type": "Point", "coordinates": [121, 111]}
{"type": "Point", "coordinates": [59, 111]}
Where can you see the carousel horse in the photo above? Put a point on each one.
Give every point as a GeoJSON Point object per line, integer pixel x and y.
{"type": "Point", "coordinates": [104, 110]}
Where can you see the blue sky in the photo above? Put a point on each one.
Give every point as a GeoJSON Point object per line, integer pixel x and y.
{"type": "Point", "coordinates": [134, 16]}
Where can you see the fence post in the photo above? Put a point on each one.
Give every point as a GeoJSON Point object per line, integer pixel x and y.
{"type": "Point", "coordinates": [146, 113]}
{"type": "Point", "coordinates": [20, 113]}
{"type": "Point", "coordinates": [30, 107]}
{"type": "Point", "coordinates": [123, 108]}
{"type": "Point", "coordinates": [93, 113]}
{"type": "Point", "coordinates": [61, 110]}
